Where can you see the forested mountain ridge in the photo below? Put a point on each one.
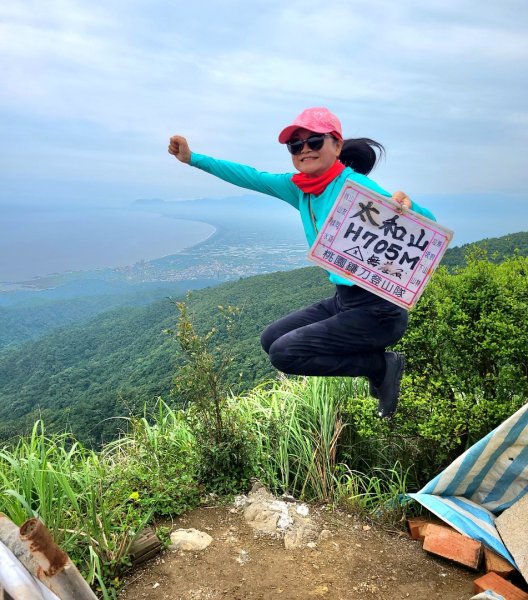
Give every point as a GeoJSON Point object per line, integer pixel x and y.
{"type": "Point", "coordinates": [496, 249]}
{"type": "Point", "coordinates": [79, 376]}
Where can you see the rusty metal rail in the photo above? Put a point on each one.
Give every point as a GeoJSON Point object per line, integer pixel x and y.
{"type": "Point", "coordinates": [34, 547]}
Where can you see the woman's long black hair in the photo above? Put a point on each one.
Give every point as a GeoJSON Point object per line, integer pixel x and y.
{"type": "Point", "coordinates": [360, 154]}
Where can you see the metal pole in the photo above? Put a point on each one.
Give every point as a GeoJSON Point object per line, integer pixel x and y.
{"type": "Point", "coordinates": [35, 549]}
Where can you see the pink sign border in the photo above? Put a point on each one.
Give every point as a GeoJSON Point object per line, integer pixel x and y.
{"type": "Point", "coordinates": [433, 226]}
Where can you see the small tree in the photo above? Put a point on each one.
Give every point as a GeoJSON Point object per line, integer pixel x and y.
{"type": "Point", "coordinates": [201, 381]}
{"type": "Point", "coordinates": [202, 386]}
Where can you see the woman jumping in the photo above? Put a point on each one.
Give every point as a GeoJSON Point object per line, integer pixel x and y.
{"type": "Point", "coordinates": [347, 334]}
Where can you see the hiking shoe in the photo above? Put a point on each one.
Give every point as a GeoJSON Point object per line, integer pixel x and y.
{"type": "Point", "coordinates": [389, 389]}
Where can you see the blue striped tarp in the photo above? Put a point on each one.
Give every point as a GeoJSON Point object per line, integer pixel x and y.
{"type": "Point", "coordinates": [487, 479]}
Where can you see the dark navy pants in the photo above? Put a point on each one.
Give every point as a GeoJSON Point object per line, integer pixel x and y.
{"type": "Point", "coordinates": [343, 335]}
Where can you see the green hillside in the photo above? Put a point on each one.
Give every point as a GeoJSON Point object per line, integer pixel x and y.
{"type": "Point", "coordinates": [112, 365]}
{"type": "Point", "coordinates": [495, 249]}
{"type": "Point", "coordinates": [26, 316]}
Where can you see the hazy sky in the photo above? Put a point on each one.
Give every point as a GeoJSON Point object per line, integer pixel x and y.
{"type": "Point", "coordinates": [91, 91]}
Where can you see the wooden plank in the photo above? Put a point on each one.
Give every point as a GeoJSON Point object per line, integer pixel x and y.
{"type": "Point", "coordinates": [145, 546]}
{"type": "Point", "coordinates": [496, 564]}
{"type": "Point", "coordinates": [448, 543]}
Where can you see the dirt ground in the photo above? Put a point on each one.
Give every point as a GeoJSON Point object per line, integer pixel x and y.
{"type": "Point", "coordinates": [356, 562]}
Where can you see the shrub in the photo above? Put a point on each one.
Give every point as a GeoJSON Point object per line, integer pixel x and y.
{"type": "Point", "coordinates": [467, 354]}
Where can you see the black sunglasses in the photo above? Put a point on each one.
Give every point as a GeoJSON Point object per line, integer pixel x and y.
{"type": "Point", "coordinates": [315, 142]}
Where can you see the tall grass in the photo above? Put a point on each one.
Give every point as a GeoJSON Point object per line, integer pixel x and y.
{"type": "Point", "coordinates": [298, 423]}
{"type": "Point", "coordinates": [319, 439]}
{"type": "Point", "coordinates": [376, 495]}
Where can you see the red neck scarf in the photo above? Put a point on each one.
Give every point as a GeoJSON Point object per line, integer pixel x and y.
{"type": "Point", "coordinates": [317, 185]}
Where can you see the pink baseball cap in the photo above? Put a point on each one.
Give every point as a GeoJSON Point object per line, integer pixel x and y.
{"type": "Point", "coordinates": [319, 120]}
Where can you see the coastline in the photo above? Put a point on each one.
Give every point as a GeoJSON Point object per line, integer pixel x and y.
{"type": "Point", "coordinates": [55, 279]}
{"type": "Point", "coordinates": [217, 230]}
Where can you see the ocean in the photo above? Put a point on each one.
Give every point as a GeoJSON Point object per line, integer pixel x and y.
{"type": "Point", "coordinates": [36, 242]}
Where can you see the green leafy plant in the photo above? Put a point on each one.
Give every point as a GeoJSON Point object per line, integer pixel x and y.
{"type": "Point", "coordinates": [466, 354]}
{"type": "Point", "coordinates": [224, 440]}
{"type": "Point", "coordinates": [201, 380]}
{"type": "Point", "coordinates": [156, 463]}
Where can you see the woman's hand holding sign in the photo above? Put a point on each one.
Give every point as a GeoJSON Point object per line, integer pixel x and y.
{"type": "Point", "coordinates": [402, 199]}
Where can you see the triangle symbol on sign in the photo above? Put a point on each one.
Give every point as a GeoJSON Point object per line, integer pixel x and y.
{"type": "Point", "coordinates": [355, 252]}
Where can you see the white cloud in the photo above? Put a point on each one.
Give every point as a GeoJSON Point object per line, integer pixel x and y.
{"type": "Point", "coordinates": [441, 82]}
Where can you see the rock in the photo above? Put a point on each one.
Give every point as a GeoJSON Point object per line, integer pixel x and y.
{"type": "Point", "coordinates": [264, 513]}
{"type": "Point", "coordinates": [326, 534]}
{"type": "Point", "coordinates": [240, 501]}
{"type": "Point", "coordinates": [261, 494]}
{"type": "Point", "coordinates": [285, 520]}
{"type": "Point", "coordinates": [261, 517]}
{"type": "Point", "coordinates": [278, 518]}
{"type": "Point", "coordinates": [288, 498]}
{"type": "Point", "coordinates": [189, 539]}
{"type": "Point", "coordinates": [301, 532]}
{"type": "Point", "coordinates": [320, 590]}
{"type": "Point", "coordinates": [256, 485]}
{"type": "Point", "coordinates": [243, 557]}
{"type": "Point", "coordinates": [303, 510]}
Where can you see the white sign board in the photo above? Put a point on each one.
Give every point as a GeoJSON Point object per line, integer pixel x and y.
{"type": "Point", "coordinates": [366, 240]}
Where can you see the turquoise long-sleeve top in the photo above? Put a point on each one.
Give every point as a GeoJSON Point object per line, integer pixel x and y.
{"type": "Point", "coordinates": [281, 186]}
